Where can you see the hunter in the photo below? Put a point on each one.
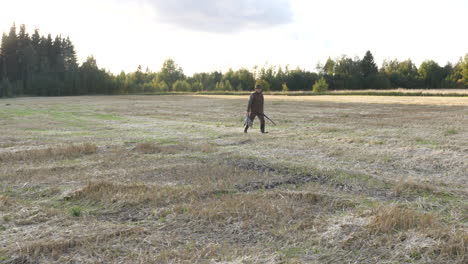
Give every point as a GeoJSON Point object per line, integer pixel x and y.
{"type": "Point", "coordinates": [255, 108]}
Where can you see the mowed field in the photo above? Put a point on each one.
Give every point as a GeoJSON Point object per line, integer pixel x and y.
{"type": "Point", "coordinates": [172, 179]}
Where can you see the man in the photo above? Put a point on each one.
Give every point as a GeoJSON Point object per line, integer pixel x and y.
{"type": "Point", "coordinates": [255, 108]}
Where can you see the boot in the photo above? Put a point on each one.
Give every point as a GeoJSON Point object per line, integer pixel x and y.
{"type": "Point", "coordinates": [245, 129]}
{"type": "Point", "coordinates": [262, 129]}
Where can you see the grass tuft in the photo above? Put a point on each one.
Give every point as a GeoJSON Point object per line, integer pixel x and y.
{"type": "Point", "coordinates": [108, 193]}
{"type": "Point", "coordinates": [152, 148]}
{"type": "Point", "coordinates": [392, 218]}
{"type": "Point", "coordinates": [451, 131]}
{"type": "Point", "coordinates": [411, 187]}
{"type": "Point", "coordinates": [59, 152]}
{"type": "Point", "coordinates": [5, 202]}
{"type": "Point", "coordinates": [76, 211]}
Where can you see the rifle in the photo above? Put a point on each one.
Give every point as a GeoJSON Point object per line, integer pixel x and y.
{"type": "Point", "coordinates": [269, 119]}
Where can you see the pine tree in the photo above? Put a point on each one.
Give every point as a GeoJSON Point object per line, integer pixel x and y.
{"type": "Point", "coordinates": [368, 70]}
{"type": "Point", "coordinates": [3, 44]}
{"type": "Point", "coordinates": [368, 66]}
{"type": "Point", "coordinates": [10, 49]}
{"type": "Point", "coordinates": [329, 67]}
{"type": "Point", "coordinates": [320, 86]}
{"type": "Point", "coordinates": [70, 67]}
{"type": "Point", "coordinates": [285, 88]}
{"type": "Point", "coordinates": [25, 60]}
{"type": "Point", "coordinates": [227, 86]}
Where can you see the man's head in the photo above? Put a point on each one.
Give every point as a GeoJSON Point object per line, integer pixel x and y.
{"type": "Point", "coordinates": [258, 88]}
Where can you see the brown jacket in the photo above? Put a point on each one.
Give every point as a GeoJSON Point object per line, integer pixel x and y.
{"type": "Point", "coordinates": [255, 103]}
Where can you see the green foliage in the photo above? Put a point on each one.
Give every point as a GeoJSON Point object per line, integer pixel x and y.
{"type": "Point", "coordinates": [431, 74]}
{"type": "Point", "coordinates": [171, 73]}
{"type": "Point", "coordinates": [378, 81]}
{"type": "Point", "coordinates": [329, 67]}
{"type": "Point", "coordinates": [223, 86]}
{"type": "Point", "coordinates": [320, 86]}
{"type": "Point", "coordinates": [47, 66]}
{"type": "Point", "coordinates": [5, 88]}
{"type": "Point", "coordinates": [197, 86]}
{"type": "Point", "coordinates": [181, 86]}
{"type": "Point", "coordinates": [264, 84]}
{"type": "Point", "coordinates": [451, 131]}
{"type": "Point", "coordinates": [401, 74]}
{"type": "Point", "coordinates": [368, 66]}
{"type": "Point", "coordinates": [76, 211]}
{"type": "Point", "coordinates": [464, 71]}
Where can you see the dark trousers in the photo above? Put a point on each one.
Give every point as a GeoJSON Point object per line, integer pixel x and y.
{"type": "Point", "coordinates": [262, 121]}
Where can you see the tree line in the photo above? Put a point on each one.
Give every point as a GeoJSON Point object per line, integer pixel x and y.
{"type": "Point", "coordinates": [38, 65]}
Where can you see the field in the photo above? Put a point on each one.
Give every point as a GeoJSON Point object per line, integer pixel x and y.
{"type": "Point", "coordinates": [172, 179]}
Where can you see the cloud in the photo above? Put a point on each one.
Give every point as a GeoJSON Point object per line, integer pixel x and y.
{"type": "Point", "coordinates": [223, 16]}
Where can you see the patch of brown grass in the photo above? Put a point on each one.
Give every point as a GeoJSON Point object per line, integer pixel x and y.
{"type": "Point", "coordinates": [192, 253]}
{"type": "Point", "coordinates": [132, 193]}
{"type": "Point", "coordinates": [217, 177]}
{"type": "Point", "coordinates": [250, 209]}
{"type": "Point", "coordinates": [59, 152]}
{"type": "Point", "coordinates": [272, 208]}
{"type": "Point", "coordinates": [55, 248]}
{"type": "Point", "coordinates": [387, 219]}
{"type": "Point", "coordinates": [151, 148]}
{"type": "Point", "coordinates": [303, 196]}
{"type": "Point", "coordinates": [411, 186]}
{"type": "Point", "coordinates": [5, 202]}
{"type": "Point", "coordinates": [454, 245]}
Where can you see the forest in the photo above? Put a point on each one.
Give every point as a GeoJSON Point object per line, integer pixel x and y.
{"type": "Point", "coordinates": [39, 65]}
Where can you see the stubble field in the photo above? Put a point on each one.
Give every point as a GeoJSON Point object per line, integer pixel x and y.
{"type": "Point", "coordinates": [172, 179]}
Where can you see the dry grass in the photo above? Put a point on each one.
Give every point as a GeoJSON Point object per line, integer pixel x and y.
{"type": "Point", "coordinates": [151, 148]}
{"type": "Point", "coordinates": [407, 187]}
{"type": "Point", "coordinates": [201, 191]}
{"type": "Point", "coordinates": [387, 219]}
{"type": "Point", "coordinates": [454, 244]}
{"type": "Point", "coordinates": [5, 202]}
{"type": "Point", "coordinates": [132, 193]}
{"type": "Point", "coordinates": [192, 253]}
{"type": "Point", "coordinates": [59, 152]}
{"type": "Point", "coordinates": [55, 248]}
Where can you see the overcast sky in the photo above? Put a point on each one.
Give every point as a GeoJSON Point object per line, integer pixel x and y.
{"type": "Point", "coordinates": [207, 35]}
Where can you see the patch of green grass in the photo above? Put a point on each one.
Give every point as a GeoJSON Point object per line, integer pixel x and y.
{"type": "Point", "coordinates": [291, 252]}
{"type": "Point", "coordinates": [416, 255]}
{"type": "Point", "coordinates": [387, 159]}
{"type": "Point", "coordinates": [76, 211]}
{"type": "Point", "coordinates": [329, 129]}
{"type": "Point", "coordinates": [106, 117]}
{"type": "Point", "coordinates": [369, 203]}
{"type": "Point", "coordinates": [20, 112]}
{"type": "Point", "coordinates": [422, 141]}
{"type": "Point", "coordinates": [357, 178]}
{"type": "Point", "coordinates": [2, 228]}
{"type": "Point", "coordinates": [6, 218]}
{"type": "Point", "coordinates": [451, 131]}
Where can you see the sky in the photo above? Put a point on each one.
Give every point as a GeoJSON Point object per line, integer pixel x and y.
{"type": "Point", "coordinates": [208, 35]}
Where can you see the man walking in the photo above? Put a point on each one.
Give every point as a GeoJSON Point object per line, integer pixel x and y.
{"type": "Point", "coordinates": [255, 108]}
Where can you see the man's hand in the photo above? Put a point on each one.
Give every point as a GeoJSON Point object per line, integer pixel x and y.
{"type": "Point", "coordinates": [248, 113]}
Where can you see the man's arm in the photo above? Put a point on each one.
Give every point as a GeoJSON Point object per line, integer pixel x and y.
{"type": "Point", "coordinates": [249, 105]}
